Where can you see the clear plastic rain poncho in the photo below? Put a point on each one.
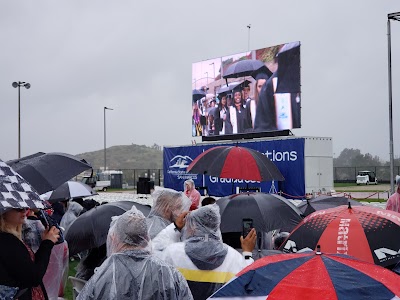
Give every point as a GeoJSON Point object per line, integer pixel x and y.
{"type": "Point", "coordinates": [73, 211]}
{"type": "Point", "coordinates": [57, 269]}
{"type": "Point", "coordinates": [202, 238]}
{"type": "Point", "coordinates": [131, 272]}
{"type": "Point", "coordinates": [168, 204]}
{"type": "Point", "coordinates": [32, 231]}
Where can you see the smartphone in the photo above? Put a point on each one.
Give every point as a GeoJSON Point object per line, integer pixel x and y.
{"type": "Point", "coordinates": [247, 226]}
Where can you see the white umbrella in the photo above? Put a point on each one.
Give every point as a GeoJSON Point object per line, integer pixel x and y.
{"type": "Point", "coordinates": [70, 190]}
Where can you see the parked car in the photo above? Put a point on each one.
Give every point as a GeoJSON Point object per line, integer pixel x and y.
{"type": "Point", "coordinates": [366, 177]}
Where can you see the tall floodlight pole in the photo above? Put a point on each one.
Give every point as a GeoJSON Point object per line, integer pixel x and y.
{"type": "Point", "coordinates": [396, 17]}
{"type": "Point", "coordinates": [105, 145]}
{"type": "Point", "coordinates": [18, 85]}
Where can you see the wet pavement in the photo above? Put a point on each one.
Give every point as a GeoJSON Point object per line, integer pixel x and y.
{"type": "Point", "coordinates": [147, 199]}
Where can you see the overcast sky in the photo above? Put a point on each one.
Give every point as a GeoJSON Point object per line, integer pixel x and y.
{"type": "Point", "coordinates": [136, 57]}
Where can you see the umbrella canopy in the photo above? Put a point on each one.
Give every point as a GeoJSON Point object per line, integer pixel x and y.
{"type": "Point", "coordinates": [90, 229]}
{"type": "Point", "coordinates": [243, 68]}
{"type": "Point", "coordinates": [198, 94]}
{"type": "Point", "coordinates": [16, 192]}
{"type": "Point", "coordinates": [228, 88]}
{"type": "Point", "coordinates": [365, 232]}
{"type": "Point", "coordinates": [47, 171]}
{"type": "Point", "coordinates": [235, 162]}
{"type": "Point", "coordinates": [268, 211]}
{"type": "Point", "coordinates": [70, 190]}
{"type": "Point", "coordinates": [311, 275]}
{"type": "Point", "coordinates": [324, 202]}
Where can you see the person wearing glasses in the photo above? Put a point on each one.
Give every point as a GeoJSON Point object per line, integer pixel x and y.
{"type": "Point", "coordinates": [22, 270]}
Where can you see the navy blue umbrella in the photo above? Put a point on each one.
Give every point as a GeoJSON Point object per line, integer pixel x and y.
{"type": "Point", "coordinates": [324, 202]}
{"type": "Point", "coordinates": [311, 275]}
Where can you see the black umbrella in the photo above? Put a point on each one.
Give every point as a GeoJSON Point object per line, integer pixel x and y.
{"type": "Point", "coordinates": [90, 229]}
{"type": "Point", "coordinates": [268, 211]}
{"type": "Point", "coordinates": [47, 171]}
{"type": "Point", "coordinates": [243, 68]}
{"type": "Point", "coordinates": [70, 190]}
{"type": "Point", "coordinates": [198, 94]}
{"type": "Point", "coordinates": [324, 202]}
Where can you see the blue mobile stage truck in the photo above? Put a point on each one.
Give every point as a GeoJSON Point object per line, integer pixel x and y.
{"type": "Point", "coordinates": [305, 162]}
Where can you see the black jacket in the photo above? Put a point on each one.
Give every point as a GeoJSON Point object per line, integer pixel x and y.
{"type": "Point", "coordinates": [16, 266]}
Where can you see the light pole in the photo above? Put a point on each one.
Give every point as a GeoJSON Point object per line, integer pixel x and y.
{"type": "Point", "coordinates": [18, 85]}
{"type": "Point", "coordinates": [215, 87]}
{"type": "Point", "coordinates": [105, 155]}
{"type": "Point", "coordinates": [396, 17]}
{"type": "Point", "coordinates": [207, 78]}
{"type": "Point", "coordinates": [248, 40]}
{"type": "Point", "coordinates": [214, 68]}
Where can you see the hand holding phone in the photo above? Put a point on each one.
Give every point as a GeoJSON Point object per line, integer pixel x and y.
{"type": "Point", "coordinates": [247, 225]}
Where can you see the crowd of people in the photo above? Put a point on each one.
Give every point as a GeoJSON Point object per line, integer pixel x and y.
{"type": "Point", "coordinates": [176, 252]}
{"type": "Point", "coordinates": [34, 265]}
{"type": "Point", "coordinates": [137, 254]}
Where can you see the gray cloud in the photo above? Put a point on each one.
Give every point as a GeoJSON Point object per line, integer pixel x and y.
{"type": "Point", "coordinates": [136, 58]}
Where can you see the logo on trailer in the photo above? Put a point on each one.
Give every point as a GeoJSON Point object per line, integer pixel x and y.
{"type": "Point", "coordinates": [181, 162]}
{"type": "Point", "coordinates": [178, 165]}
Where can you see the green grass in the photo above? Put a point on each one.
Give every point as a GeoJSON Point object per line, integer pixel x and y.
{"type": "Point", "coordinates": [339, 184]}
{"type": "Point", "coordinates": [372, 200]}
{"type": "Point", "coordinates": [71, 272]}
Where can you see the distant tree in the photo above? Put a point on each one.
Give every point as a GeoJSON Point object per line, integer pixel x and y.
{"type": "Point", "coordinates": [354, 158]}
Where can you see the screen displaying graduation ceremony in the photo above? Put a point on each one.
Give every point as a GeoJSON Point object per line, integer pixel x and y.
{"type": "Point", "coordinates": [249, 92]}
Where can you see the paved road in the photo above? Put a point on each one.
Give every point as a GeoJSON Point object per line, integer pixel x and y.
{"type": "Point", "coordinates": [147, 199]}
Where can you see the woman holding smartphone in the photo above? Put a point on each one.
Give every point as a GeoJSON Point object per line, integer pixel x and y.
{"type": "Point", "coordinates": [22, 270]}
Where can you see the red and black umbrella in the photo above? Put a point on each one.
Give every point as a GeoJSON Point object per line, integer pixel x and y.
{"type": "Point", "coordinates": [365, 232]}
{"type": "Point", "coordinates": [311, 275]}
{"type": "Point", "coordinates": [236, 163]}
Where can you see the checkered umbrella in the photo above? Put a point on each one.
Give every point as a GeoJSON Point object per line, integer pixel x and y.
{"type": "Point", "coordinates": [15, 192]}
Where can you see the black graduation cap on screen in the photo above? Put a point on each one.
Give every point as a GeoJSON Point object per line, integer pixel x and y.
{"type": "Point", "coordinates": [262, 73]}
{"type": "Point", "coordinates": [239, 87]}
{"type": "Point", "coordinates": [289, 68]}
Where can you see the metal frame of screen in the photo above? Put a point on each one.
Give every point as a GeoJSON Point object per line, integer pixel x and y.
{"type": "Point", "coordinates": [247, 95]}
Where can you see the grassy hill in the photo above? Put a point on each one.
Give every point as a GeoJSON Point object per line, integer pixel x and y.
{"type": "Point", "coordinates": [126, 157]}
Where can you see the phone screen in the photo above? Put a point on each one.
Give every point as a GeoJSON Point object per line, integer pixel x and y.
{"type": "Point", "coordinates": [247, 226]}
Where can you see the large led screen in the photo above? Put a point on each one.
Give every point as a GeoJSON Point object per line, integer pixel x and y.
{"type": "Point", "coordinates": [249, 92]}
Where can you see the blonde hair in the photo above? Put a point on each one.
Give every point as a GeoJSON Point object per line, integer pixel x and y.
{"type": "Point", "coordinates": [5, 228]}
